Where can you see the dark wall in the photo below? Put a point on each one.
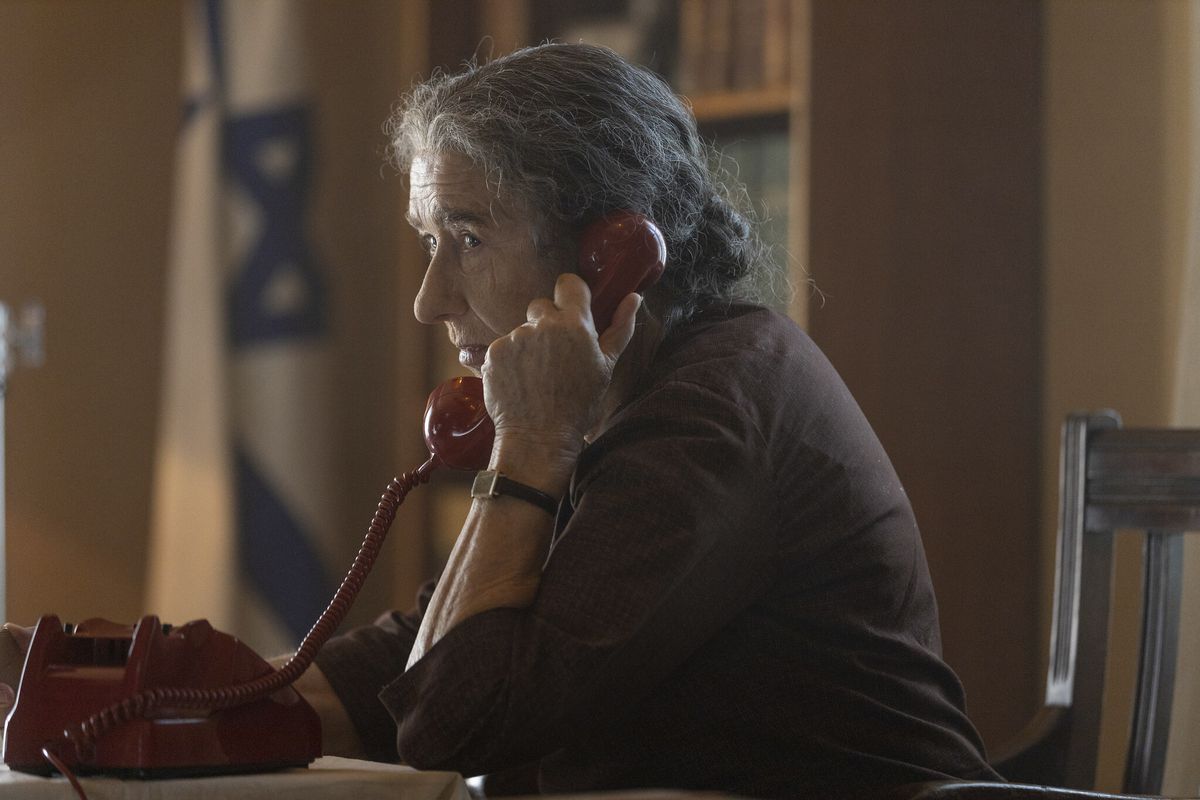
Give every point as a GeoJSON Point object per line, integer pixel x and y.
{"type": "Point", "coordinates": [925, 171]}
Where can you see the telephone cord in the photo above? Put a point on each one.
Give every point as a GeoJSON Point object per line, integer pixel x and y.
{"type": "Point", "coordinates": [84, 735]}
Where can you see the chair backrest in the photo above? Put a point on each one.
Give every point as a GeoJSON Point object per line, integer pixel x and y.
{"type": "Point", "coordinates": [1112, 478]}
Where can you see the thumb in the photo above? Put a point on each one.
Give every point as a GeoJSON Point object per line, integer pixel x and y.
{"type": "Point", "coordinates": [614, 340]}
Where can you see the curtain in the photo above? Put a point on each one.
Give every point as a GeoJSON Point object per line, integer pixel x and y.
{"type": "Point", "coordinates": [1183, 57]}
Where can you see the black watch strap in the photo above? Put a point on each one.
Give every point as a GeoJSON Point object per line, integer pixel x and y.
{"type": "Point", "coordinates": [492, 483]}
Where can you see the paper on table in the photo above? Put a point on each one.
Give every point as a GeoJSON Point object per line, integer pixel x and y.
{"type": "Point", "coordinates": [328, 777]}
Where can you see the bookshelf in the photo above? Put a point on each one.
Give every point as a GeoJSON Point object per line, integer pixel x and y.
{"type": "Point", "coordinates": [746, 75]}
{"type": "Point", "coordinates": [742, 105]}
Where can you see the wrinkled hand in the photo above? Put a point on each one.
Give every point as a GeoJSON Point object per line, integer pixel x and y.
{"type": "Point", "coordinates": [14, 643]}
{"type": "Point", "coordinates": [544, 381]}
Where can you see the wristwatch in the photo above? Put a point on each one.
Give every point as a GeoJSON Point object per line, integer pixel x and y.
{"type": "Point", "coordinates": [493, 483]}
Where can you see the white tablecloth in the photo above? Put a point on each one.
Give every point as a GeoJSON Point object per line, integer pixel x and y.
{"type": "Point", "coordinates": [328, 777]}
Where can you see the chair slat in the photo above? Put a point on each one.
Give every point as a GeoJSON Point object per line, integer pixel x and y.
{"type": "Point", "coordinates": [1166, 516]}
{"type": "Point", "coordinates": [1112, 479]}
{"type": "Point", "coordinates": [1145, 453]}
{"type": "Point", "coordinates": [1163, 589]}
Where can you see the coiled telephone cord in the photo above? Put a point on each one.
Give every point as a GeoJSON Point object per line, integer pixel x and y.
{"type": "Point", "coordinates": [82, 737]}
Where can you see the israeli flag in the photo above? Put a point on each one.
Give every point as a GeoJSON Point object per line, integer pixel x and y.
{"type": "Point", "coordinates": [243, 486]}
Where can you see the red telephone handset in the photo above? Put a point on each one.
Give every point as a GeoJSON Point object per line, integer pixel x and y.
{"type": "Point", "coordinates": [149, 700]}
{"type": "Point", "coordinates": [620, 253]}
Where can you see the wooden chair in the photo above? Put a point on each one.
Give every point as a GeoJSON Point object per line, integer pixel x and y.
{"type": "Point", "coordinates": [1111, 478]}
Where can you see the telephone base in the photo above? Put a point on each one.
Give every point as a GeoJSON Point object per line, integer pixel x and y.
{"type": "Point", "coordinates": [72, 674]}
{"type": "Point", "coordinates": [166, 773]}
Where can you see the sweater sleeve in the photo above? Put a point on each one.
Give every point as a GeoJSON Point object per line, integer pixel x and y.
{"type": "Point", "coordinates": [359, 663]}
{"type": "Point", "coordinates": [669, 538]}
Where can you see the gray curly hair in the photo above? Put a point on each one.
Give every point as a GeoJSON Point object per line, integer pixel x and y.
{"type": "Point", "coordinates": [573, 131]}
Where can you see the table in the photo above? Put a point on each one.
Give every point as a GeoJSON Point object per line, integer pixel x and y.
{"type": "Point", "coordinates": [328, 777]}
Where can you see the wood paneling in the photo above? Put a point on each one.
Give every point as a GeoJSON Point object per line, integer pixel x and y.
{"type": "Point", "coordinates": [88, 111]}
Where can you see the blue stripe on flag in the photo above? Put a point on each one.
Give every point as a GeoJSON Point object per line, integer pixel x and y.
{"type": "Point", "coordinates": [216, 49]}
{"type": "Point", "coordinates": [191, 109]}
{"type": "Point", "coordinates": [207, 18]}
{"type": "Point", "coordinates": [275, 553]}
{"type": "Point", "coordinates": [278, 293]}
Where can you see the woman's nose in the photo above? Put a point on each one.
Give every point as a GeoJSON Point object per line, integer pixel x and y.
{"type": "Point", "coordinates": [440, 297]}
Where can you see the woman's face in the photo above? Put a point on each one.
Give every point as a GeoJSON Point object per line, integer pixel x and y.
{"type": "Point", "coordinates": [484, 268]}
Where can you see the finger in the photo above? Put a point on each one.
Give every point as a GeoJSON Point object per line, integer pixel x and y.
{"type": "Point", "coordinates": [571, 293]}
{"type": "Point", "coordinates": [614, 340]}
{"type": "Point", "coordinates": [538, 308]}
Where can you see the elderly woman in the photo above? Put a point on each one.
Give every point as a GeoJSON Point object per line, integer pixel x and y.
{"type": "Point", "coordinates": [727, 589]}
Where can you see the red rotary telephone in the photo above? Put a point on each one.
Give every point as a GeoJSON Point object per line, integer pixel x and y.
{"type": "Point", "coordinates": [150, 700]}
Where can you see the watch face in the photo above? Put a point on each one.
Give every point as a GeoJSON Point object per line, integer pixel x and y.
{"type": "Point", "coordinates": [484, 484]}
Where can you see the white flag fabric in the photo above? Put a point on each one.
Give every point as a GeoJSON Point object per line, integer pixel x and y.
{"type": "Point", "coordinates": [243, 490]}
